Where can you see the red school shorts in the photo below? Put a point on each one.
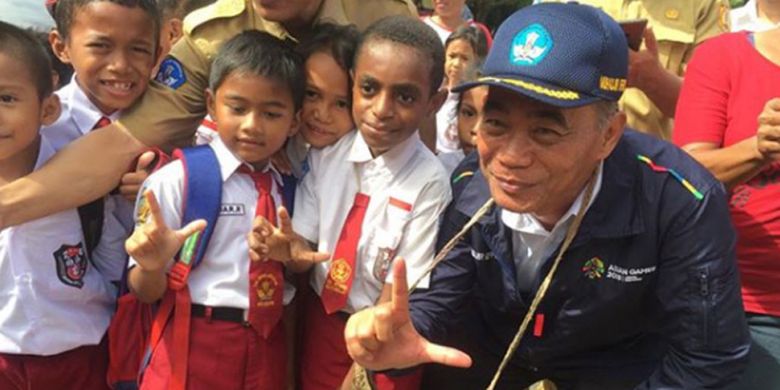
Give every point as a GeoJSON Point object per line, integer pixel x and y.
{"type": "Point", "coordinates": [223, 355]}
{"type": "Point", "coordinates": [324, 358]}
{"type": "Point", "coordinates": [82, 368]}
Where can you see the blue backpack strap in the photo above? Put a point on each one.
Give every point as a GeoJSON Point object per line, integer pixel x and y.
{"type": "Point", "coordinates": [202, 199]}
{"type": "Point", "coordinates": [289, 182]}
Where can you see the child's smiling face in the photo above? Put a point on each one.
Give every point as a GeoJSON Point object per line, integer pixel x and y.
{"type": "Point", "coordinates": [22, 110]}
{"type": "Point", "coordinates": [391, 94]}
{"type": "Point", "coordinates": [326, 115]}
{"type": "Point", "coordinates": [112, 49]}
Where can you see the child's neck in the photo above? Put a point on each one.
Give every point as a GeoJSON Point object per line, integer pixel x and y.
{"type": "Point", "coordinates": [259, 166]}
{"type": "Point", "coordinates": [21, 163]}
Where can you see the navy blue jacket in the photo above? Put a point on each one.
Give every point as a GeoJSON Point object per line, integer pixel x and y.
{"type": "Point", "coordinates": [648, 291]}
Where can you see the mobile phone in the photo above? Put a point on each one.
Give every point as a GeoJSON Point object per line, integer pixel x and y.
{"type": "Point", "coordinates": [634, 30]}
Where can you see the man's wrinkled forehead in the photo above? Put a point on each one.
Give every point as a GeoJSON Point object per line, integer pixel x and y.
{"type": "Point", "coordinates": [505, 101]}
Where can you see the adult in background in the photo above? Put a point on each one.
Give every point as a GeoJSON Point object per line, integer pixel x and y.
{"type": "Point", "coordinates": [655, 72]}
{"type": "Point", "coordinates": [729, 120]}
{"type": "Point", "coordinates": [626, 236]}
{"type": "Point", "coordinates": [174, 105]}
{"type": "Point", "coordinates": [448, 15]}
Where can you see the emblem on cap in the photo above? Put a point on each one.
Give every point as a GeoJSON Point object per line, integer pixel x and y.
{"type": "Point", "coordinates": [530, 45]}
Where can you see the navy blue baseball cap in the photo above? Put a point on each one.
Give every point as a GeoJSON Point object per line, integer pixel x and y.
{"type": "Point", "coordinates": [565, 55]}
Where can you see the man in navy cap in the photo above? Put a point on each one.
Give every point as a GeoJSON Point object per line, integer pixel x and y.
{"type": "Point", "coordinates": [615, 248]}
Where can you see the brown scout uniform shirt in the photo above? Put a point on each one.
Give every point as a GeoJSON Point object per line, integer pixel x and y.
{"type": "Point", "coordinates": [169, 112]}
{"type": "Point", "coordinates": [679, 26]}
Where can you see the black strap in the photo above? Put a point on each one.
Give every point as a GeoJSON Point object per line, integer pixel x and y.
{"type": "Point", "coordinates": [91, 216]}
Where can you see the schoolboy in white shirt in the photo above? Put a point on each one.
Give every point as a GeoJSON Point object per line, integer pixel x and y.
{"type": "Point", "coordinates": [55, 301]}
{"type": "Point", "coordinates": [256, 89]}
{"type": "Point", "coordinates": [374, 195]}
{"type": "Point", "coordinates": [112, 48]}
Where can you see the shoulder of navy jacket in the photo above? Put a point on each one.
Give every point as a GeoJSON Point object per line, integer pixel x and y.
{"type": "Point", "coordinates": [473, 195]}
{"type": "Point", "coordinates": [661, 162]}
{"type": "Point", "coordinates": [617, 210]}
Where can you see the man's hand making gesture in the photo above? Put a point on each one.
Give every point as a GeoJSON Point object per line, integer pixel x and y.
{"type": "Point", "coordinates": [383, 337]}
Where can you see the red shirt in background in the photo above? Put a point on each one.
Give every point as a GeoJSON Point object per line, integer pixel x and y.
{"type": "Point", "coordinates": [726, 86]}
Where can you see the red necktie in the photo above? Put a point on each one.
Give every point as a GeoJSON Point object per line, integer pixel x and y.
{"type": "Point", "coordinates": [102, 122]}
{"type": "Point", "coordinates": [266, 278]}
{"type": "Point", "coordinates": [342, 267]}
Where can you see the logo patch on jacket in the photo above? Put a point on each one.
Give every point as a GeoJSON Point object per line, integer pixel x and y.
{"type": "Point", "coordinates": [171, 73]}
{"type": "Point", "coordinates": [71, 263]}
{"type": "Point", "coordinates": [593, 268]}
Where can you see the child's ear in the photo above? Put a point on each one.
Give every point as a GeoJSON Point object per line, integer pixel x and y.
{"type": "Point", "coordinates": [210, 103]}
{"type": "Point", "coordinates": [436, 101]}
{"type": "Point", "coordinates": [295, 125]}
{"type": "Point", "coordinates": [177, 30]}
{"type": "Point", "coordinates": [50, 109]}
{"type": "Point", "coordinates": [59, 46]}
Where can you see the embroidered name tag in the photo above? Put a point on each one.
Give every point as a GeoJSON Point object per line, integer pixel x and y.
{"type": "Point", "coordinates": [231, 209]}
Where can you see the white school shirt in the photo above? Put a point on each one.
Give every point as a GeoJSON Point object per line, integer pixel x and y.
{"type": "Point", "coordinates": [222, 278]}
{"type": "Point", "coordinates": [406, 174]}
{"type": "Point", "coordinates": [746, 18]}
{"type": "Point", "coordinates": [447, 140]}
{"type": "Point", "coordinates": [53, 298]}
{"type": "Point", "coordinates": [78, 117]}
{"type": "Point", "coordinates": [532, 244]}
{"type": "Point", "coordinates": [441, 31]}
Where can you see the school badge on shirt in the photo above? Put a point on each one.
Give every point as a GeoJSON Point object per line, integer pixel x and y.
{"type": "Point", "coordinates": [71, 261]}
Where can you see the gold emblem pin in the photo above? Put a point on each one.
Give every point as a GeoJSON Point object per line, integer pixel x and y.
{"type": "Point", "coordinates": [672, 13]}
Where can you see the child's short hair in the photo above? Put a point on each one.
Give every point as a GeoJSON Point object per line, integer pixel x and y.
{"type": "Point", "coordinates": [64, 71]}
{"type": "Point", "coordinates": [65, 10]}
{"type": "Point", "coordinates": [474, 36]}
{"type": "Point", "coordinates": [413, 33]}
{"type": "Point", "coordinates": [262, 54]}
{"type": "Point", "coordinates": [23, 46]}
{"type": "Point", "coordinates": [338, 41]}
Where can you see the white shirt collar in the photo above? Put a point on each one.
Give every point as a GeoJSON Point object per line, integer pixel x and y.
{"type": "Point", "coordinates": [84, 113]}
{"type": "Point", "coordinates": [229, 162]}
{"type": "Point", "coordinates": [393, 158]}
{"type": "Point", "coordinates": [529, 224]}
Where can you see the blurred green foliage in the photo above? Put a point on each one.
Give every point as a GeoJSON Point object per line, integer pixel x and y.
{"type": "Point", "coordinates": [737, 3]}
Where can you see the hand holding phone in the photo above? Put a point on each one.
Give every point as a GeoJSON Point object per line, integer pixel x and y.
{"type": "Point", "coordinates": [634, 30]}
